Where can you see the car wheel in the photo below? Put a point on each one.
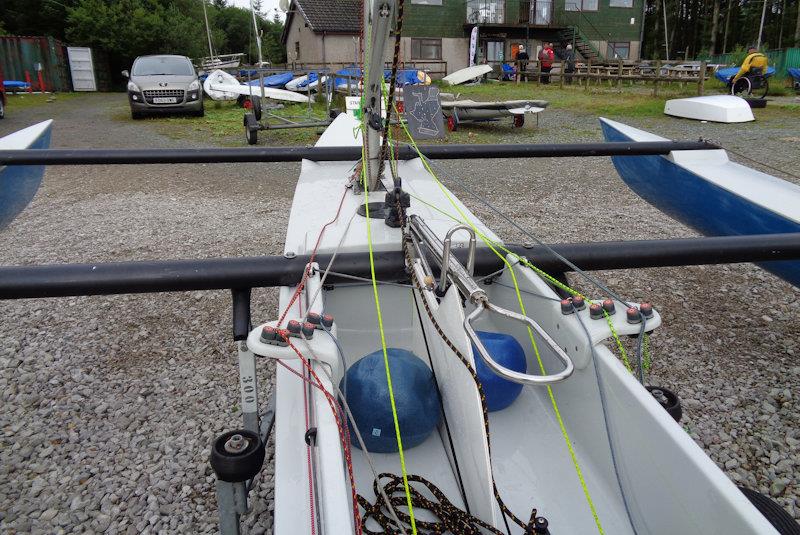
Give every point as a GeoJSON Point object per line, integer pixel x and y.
{"type": "Point", "coordinates": [136, 115]}
{"type": "Point", "coordinates": [201, 112]}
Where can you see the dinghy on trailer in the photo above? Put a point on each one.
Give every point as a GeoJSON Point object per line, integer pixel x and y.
{"type": "Point", "coordinates": [710, 193]}
{"type": "Point", "coordinates": [715, 108]}
{"type": "Point", "coordinates": [221, 86]}
{"type": "Point", "coordinates": [19, 184]}
{"type": "Point", "coordinates": [460, 111]}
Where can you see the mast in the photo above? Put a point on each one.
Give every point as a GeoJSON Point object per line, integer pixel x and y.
{"type": "Point", "coordinates": [258, 35]}
{"type": "Point", "coordinates": [208, 31]}
{"type": "Point", "coordinates": [380, 20]}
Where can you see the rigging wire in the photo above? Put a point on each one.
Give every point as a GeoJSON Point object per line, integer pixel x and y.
{"type": "Point", "coordinates": [559, 418]}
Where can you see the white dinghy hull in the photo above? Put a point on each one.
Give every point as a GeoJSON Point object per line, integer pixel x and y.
{"type": "Point", "coordinates": [465, 75]}
{"type": "Point", "coordinates": [643, 472]}
{"type": "Point", "coordinates": [222, 85]}
{"type": "Point", "coordinates": [715, 108]}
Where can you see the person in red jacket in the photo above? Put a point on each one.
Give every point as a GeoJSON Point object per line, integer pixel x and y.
{"type": "Point", "coordinates": [546, 59]}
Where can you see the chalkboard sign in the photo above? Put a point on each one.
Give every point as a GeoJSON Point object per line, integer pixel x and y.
{"type": "Point", "coordinates": [423, 111]}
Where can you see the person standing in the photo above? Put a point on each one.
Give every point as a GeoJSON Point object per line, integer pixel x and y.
{"type": "Point", "coordinates": [522, 62]}
{"type": "Point", "coordinates": [569, 62]}
{"type": "Point", "coordinates": [546, 59]}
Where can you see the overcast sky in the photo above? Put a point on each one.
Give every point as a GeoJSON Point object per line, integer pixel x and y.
{"type": "Point", "coordinates": [268, 7]}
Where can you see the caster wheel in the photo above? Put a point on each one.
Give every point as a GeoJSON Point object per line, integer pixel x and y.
{"type": "Point", "coordinates": [237, 455]}
{"type": "Point", "coordinates": [251, 128]}
{"type": "Point", "coordinates": [667, 399]}
{"type": "Point", "coordinates": [780, 519]}
{"type": "Point", "coordinates": [519, 121]}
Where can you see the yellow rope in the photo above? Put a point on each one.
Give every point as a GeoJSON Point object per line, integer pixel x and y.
{"type": "Point", "coordinates": [365, 178]}
{"type": "Point", "coordinates": [489, 243]}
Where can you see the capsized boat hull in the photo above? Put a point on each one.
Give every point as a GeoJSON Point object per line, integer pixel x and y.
{"type": "Point", "coordinates": [19, 183]}
{"type": "Point", "coordinates": [709, 193]}
{"type": "Point", "coordinates": [663, 483]}
{"type": "Point", "coordinates": [467, 74]}
{"type": "Point", "coordinates": [715, 108]}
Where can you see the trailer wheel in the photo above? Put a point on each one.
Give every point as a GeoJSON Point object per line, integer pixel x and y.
{"type": "Point", "coordinates": [667, 399]}
{"type": "Point", "coordinates": [519, 120]}
{"type": "Point", "coordinates": [781, 520]}
{"type": "Point", "coordinates": [256, 103]}
{"type": "Point", "coordinates": [233, 464]}
{"type": "Point", "coordinates": [250, 129]}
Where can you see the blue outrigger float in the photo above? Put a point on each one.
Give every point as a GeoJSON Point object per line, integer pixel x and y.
{"type": "Point", "coordinates": [19, 184]}
{"type": "Point", "coordinates": [711, 194]}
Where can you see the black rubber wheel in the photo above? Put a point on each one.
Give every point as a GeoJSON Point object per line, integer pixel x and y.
{"type": "Point", "coordinates": [519, 120]}
{"type": "Point", "coordinates": [136, 115]}
{"type": "Point", "coordinates": [256, 103]}
{"type": "Point", "coordinates": [669, 400]}
{"type": "Point", "coordinates": [773, 512]}
{"type": "Point", "coordinates": [765, 89]}
{"type": "Point", "coordinates": [236, 467]}
{"type": "Point", "coordinates": [250, 129]}
{"type": "Point", "coordinates": [201, 112]}
{"type": "Point", "coordinates": [741, 88]}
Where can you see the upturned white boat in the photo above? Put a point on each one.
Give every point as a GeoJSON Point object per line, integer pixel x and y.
{"type": "Point", "coordinates": [221, 86]}
{"type": "Point", "coordinates": [467, 74]}
{"type": "Point", "coordinates": [715, 108]}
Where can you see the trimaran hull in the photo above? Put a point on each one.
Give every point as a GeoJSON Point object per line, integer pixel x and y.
{"type": "Point", "coordinates": [663, 482]}
{"type": "Point", "coordinates": [711, 194]}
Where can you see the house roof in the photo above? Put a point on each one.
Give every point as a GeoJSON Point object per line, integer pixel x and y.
{"type": "Point", "coordinates": [334, 16]}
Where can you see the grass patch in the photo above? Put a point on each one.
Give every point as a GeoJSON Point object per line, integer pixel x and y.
{"type": "Point", "coordinates": [223, 123]}
{"type": "Point", "coordinates": [25, 100]}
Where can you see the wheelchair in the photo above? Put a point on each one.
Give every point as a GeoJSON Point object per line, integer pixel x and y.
{"type": "Point", "coordinates": [754, 83]}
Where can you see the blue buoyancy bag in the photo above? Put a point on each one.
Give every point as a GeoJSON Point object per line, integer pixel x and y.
{"type": "Point", "coordinates": [415, 394]}
{"type": "Point", "coordinates": [506, 351]}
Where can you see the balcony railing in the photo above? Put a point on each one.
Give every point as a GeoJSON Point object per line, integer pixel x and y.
{"type": "Point", "coordinates": [486, 11]}
{"type": "Point", "coordinates": [536, 12]}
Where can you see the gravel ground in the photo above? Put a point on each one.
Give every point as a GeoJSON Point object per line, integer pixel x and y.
{"type": "Point", "coordinates": [110, 403]}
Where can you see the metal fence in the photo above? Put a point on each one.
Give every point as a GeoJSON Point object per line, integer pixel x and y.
{"type": "Point", "coordinates": [25, 57]}
{"type": "Point", "coordinates": [780, 58]}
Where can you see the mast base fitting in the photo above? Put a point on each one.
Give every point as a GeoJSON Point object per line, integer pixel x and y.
{"type": "Point", "coordinates": [237, 456]}
{"type": "Point", "coordinates": [396, 200]}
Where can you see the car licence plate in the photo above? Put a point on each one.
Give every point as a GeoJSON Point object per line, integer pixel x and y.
{"type": "Point", "coordinates": [165, 100]}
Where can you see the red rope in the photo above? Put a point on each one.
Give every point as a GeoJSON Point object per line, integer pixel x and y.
{"type": "Point", "coordinates": [342, 437]}
{"type": "Point", "coordinates": [311, 260]}
{"type": "Point", "coordinates": [309, 466]}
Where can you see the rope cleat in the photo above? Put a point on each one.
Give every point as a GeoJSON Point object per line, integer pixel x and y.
{"type": "Point", "coordinates": [294, 327]}
{"type": "Point", "coordinates": [327, 321]}
{"type": "Point", "coordinates": [308, 329]}
{"type": "Point", "coordinates": [578, 302]}
{"type": "Point", "coordinates": [634, 316]}
{"type": "Point", "coordinates": [567, 307]}
{"type": "Point", "coordinates": [608, 306]}
{"type": "Point", "coordinates": [646, 310]}
{"type": "Point", "coordinates": [596, 311]}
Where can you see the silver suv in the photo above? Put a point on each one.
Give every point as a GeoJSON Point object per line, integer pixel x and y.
{"type": "Point", "coordinates": [164, 84]}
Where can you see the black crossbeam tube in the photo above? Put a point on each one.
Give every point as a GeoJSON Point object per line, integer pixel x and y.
{"type": "Point", "coordinates": [295, 154]}
{"type": "Point", "coordinates": [18, 282]}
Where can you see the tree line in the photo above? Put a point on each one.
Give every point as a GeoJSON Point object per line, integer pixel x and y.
{"type": "Point", "coordinates": [700, 28]}
{"type": "Point", "coordinates": [125, 29]}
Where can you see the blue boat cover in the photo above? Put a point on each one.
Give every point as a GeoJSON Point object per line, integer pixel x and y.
{"type": "Point", "coordinates": [404, 77]}
{"type": "Point", "coordinates": [794, 73]}
{"type": "Point", "coordinates": [725, 75]}
{"type": "Point", "coordinates": [275, 80]}
{"type": "Point", "coordinates": [15, 84]}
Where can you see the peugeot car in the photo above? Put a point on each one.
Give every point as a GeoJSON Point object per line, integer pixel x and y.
{"type": "Point", "coordinates": [164, 84]}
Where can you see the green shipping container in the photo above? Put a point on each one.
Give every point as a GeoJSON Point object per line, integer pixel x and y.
{"type": "Point", "coordinates": [23, 54]}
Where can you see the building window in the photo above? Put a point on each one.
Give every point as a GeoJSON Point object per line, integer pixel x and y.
{"type": "Point", "coordinates": [620, 3]}
{"type": "Point", "coordinates": [426, 49]}
{"type": "Point", "coordinates": [580, 5]}
{"type": "Point", "coordinates": [427, 2]}
{"type": "Point", "coordinates": [297, 49]}
{"type": "Point", "coordinates": [619, 50]}
{"type": "Point", "coordinates": [486, 11]}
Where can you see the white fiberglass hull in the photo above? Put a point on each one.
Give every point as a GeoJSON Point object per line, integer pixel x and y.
{"type": "Point", "coordinates": [715, 108]}
{"type": "Point", "coordinates": [663, 482]}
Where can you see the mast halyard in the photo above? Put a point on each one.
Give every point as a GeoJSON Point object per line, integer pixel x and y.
{"type": "Point", "coordinates": [380, 20]}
